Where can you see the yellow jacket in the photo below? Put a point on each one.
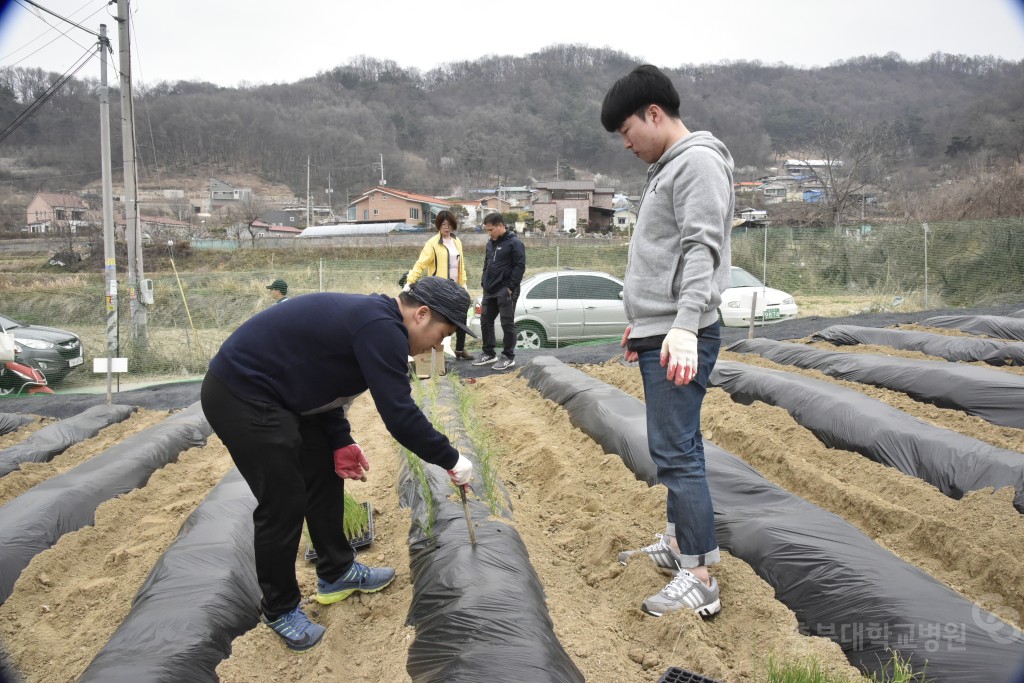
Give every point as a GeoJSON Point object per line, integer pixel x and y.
{"type": "Point", "coordinates": [433, 260]}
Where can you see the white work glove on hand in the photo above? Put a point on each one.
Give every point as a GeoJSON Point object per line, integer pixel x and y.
{"type": "Point", "coordinates": [679, 355]}
{"type": "Point", "coordinates": [462, 472]}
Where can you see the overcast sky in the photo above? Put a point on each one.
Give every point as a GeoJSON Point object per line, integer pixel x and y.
{"type": "Point", "coordinates": [258, 41]}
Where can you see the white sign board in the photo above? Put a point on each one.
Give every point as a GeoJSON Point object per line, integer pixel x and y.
{"type": "Point", "coordinates": [116, 364]}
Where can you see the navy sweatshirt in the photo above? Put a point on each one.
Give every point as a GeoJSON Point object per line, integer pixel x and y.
{"type": "Point", "coordinates": [318, 353]}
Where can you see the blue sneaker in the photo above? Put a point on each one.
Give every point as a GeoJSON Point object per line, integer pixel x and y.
{"type": "Point", "coordinates": [359, 578]}
{"type": "Point", "coordinates": [295, 628]}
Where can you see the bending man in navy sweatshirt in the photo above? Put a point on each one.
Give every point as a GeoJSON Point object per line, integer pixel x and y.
{"type": "Point", "coordinates": [277, 394]}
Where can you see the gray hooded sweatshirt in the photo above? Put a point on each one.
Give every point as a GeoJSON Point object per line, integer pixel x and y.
{"type": "Point", "coordinates": [679, 257]}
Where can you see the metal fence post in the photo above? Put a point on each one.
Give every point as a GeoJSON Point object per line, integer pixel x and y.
{"type": "Point", "coordinates": [558, 266]}
{"type": "Point", "coordinates": [925, 225]}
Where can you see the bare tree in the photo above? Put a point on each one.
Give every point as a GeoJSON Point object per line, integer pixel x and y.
{"type": "Point", "coordinates": [856, 157]}
{"type": "Point", "coordinates": [181, 208]}
{"type": "Point", "coordinates": [244, 214]}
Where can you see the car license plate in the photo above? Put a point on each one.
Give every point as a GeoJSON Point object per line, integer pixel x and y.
{"type": "Point", "coordinates": [772, 314]}
{"type": "Point", "coordinates": [75, 362]}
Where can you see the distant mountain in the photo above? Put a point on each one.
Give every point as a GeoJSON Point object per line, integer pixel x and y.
{"type": "Point", "coordinates": [506, 119]}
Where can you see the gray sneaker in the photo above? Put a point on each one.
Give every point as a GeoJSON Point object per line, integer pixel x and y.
{"type": "Point", "coordinates": [685, 591]}
{"type": "Point", "coordinates": [660, 552]}
{"type": "Point", "coordinates": [485, 359]}
{"type": "Point", "coordinates": [504, 363]}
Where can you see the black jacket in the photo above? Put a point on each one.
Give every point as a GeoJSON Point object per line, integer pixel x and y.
{"type": "Point", "coordinates": [318, 353]}
{"type": "Point", "coordinates": [504, 264]}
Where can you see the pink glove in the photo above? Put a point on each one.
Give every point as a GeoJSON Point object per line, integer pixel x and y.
{"type": "Point", "coordinates": [350, 463]}
{"type": "Point", "coordinates": [630, 356]}
{"type": "Point", "coordinates": [679, 356]}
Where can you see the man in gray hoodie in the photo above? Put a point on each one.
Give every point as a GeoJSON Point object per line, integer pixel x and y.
{"type": "Point", "coordinates": [678, 266]}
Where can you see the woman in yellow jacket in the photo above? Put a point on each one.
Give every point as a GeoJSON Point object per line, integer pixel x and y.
{"type": "Point", "coordinates": [442, 256]}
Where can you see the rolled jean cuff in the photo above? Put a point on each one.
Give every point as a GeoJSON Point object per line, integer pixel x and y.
{"type": "Point", "coordinates": [704, 560]}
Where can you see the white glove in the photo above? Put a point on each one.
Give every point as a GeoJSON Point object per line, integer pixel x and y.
{"type": "Point", "coordinates": [462, 472]}
{"type": "Point", "coordinates": [679, 355]}
{"type": "Point", "coordinates": [407, 287]}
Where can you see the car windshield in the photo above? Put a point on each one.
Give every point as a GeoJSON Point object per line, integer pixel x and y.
{"type": "Point", "coordinates": [741, 278]}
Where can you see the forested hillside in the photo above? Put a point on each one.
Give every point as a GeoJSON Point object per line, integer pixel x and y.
{"type": "Point", "coordinates": [507, 119]}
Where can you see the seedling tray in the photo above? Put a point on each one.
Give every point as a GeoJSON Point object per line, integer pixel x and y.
{"type": "Point", "coordinates": [366, 538]}
{"type": "Point", "coordinates": [361, 541]}
{"type": "Point", "coordinates": [676, 675]}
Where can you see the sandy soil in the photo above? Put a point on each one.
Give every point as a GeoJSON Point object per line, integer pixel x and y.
{"type": "Point", "coordinates": [575, 508]}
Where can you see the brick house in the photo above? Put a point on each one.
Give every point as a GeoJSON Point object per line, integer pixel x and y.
{"type": "Point", "coordinates": [262, 230]}
{"type": "Point", "coordinates": [386, 204]}
{"type": "Point", "coordinates": [54, 211]}
{"type": "Point", "coordinates": [593, 204]}
{"type": "Point", "coordinates": [477, 209]}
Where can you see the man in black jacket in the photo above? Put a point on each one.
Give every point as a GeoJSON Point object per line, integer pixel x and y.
{"type": "Point", "coordinates": [277, 394]}
{"type": "Point", "coordinates": [504, 265]}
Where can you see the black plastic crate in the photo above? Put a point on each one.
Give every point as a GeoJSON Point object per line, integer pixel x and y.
{"type": "Point", "coordinates": [676, 675]}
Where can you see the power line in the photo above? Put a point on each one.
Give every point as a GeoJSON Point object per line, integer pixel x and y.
{"type": "Point", "coordinates": [61, 34]}
{"type": "Point", "coordinates": [42, 99]}
{"type": "Point", "coordinates": [149, 121]}
{"type": "Point", "coordinates": [64, 19]}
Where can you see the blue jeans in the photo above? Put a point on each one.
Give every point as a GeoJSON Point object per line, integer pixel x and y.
{"type": "Point", "coordinates": [677, 448]}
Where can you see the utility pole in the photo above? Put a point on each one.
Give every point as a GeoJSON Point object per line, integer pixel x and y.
{"type": "Point", "coordinates": [382, 181]}
{"type": "Point", "coordinates": [308, 210]}
{"type": "Point", "coordinates": [109, 253]}
{"type": "Point", "coordinates": [330, 204]}
{"type": "Point", "coordinates": [131, 192]}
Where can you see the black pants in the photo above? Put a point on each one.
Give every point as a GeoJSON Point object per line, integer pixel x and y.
{"type": "Point", "coordinates": [460, 339]}
{"type": "Point", "coordinates": [289, 465]}
{"type": "Point", "coordinates": [491, 306]}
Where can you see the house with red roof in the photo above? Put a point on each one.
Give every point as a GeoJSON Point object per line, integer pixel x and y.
{"type": "Point", "coordinates": [56, 211]}
{"type": "Point", "coordinates": [382, 204]}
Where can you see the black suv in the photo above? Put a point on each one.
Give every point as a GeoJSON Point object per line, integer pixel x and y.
{"type": "Point", "coordinates": [55, 352]}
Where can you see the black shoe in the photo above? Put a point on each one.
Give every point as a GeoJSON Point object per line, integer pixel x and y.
{"type": "Point", "coordinates": [485, 359]}
{"type": "Point", "coordinates": [463, 355]}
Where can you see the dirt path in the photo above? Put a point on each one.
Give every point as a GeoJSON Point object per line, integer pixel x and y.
{"type": "Point", "coordinates": [32, 473]}
{"type": "Point", "coordinates": [70, 599]}
{"type": "Point", "coordinates": [576, 508]}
